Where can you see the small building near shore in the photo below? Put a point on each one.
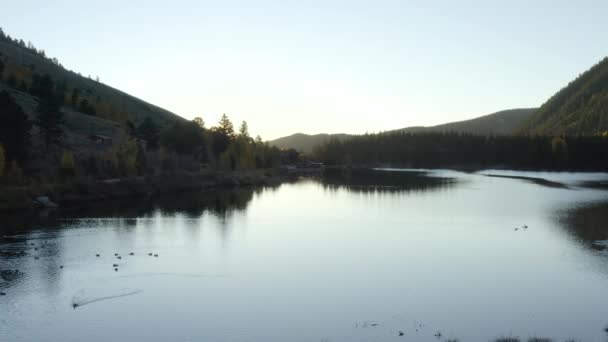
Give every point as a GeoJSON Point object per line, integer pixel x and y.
{"type": "Point", "coordinates": [100, 139]}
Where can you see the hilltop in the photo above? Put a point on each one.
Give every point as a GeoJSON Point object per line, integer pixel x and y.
{"type": "Point", "coordinates": [580, 108]}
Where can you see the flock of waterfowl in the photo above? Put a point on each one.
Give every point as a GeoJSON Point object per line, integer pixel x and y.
{"type": "Point", "coordinates": [119, 257]}
{"type": "Point", "coordinates": [40, 247]}
{"type": "Point", "coordinates": [522, 227]}
{"type": "Point", "coordinates": [419, 327]}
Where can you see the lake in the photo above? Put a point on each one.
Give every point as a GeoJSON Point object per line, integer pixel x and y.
{"type": "Point", "coordinates": [352, 256]}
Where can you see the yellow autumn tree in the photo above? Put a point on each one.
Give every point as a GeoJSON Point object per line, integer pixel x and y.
{"type": "Point", "coordinates": [67, 163]}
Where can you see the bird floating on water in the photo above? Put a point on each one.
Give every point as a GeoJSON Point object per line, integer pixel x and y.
{"type": "Point", "coordinates": [97, 255]}
{"type": "Point", "coordinates": [401, 333]}
{"type": "Point", "coordinates": [131, 253]}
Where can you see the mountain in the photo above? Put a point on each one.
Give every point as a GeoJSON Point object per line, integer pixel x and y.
{"type": "Point", "coordinates": [305, 142]}
{"type": "Point", "coordinates": [95, 118]}
{"type": "Point", "coordinates": [500, 123]}
{"type": "Point", "coordinates": [22, 65]}
{"type": "Point", "coordinates": [579, 108]}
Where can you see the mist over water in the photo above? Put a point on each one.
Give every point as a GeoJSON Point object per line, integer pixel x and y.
{"type": "Point", "coordinates": [354, 256]}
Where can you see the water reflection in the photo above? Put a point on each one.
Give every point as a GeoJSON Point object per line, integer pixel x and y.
{"type": "Point", "coordinates": [316, 260]}
{"type": "Point", "coordinates": [222, 204]}
{"type": "Point", "coordinates": [369, 181]}
{"type": "Point", "coordinates": [588, 224]}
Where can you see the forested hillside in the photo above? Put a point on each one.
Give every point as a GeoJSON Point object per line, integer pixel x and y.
{"type": "Point", "coordinates": [500, 123]}
{"type": "Point", "coordinates": [24, 66]}
{"type": "Point", "coordinates": [579, 108]}
{"type": "Point", "coordinates": [459, 150]}
{"type": "Point", "coordinates": [305, 142]}
{"type": "Point", "coordinates": [56, 125]}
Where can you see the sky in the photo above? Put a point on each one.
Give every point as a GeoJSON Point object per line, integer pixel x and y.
{"type": "Point", "coordinates": [322, 66]}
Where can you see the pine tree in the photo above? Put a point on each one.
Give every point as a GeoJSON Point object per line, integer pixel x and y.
{"type": "Point", "coordinates": [149, 131]}
{"type": "Point", "coordinates": [15, 128]}
{"type": "Point", "coordinates": [244, 130]}
{"type": "Point", "coordinates": [199, 121]}
{"type": "Point", "coordinates": [225, 126]}
{"type": "Point", "coordinates": [49, 120]}
{"type": "Point", "coordinates": [2, 161]}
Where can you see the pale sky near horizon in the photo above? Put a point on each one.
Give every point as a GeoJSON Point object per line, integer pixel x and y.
{"type": "Point", "coordinates": [322, 66]}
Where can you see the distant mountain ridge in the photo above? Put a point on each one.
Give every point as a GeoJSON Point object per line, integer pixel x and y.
{"type": "Point", "coordinates": [500, 123]}
{"type": "Point", "coordinates": [579, 108]}
{"type": "Point", "coordinates": [305, 142]}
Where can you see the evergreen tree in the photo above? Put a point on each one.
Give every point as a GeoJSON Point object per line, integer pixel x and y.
{"type": "Point", "coordinates": [49, 120]}
{"type": "Point", "coordinates": [15, 128]}
{"type": "Point", "coordinates": [86, 107]}
{"type": "Point", "coordinates": [130, 128]}
{"type": "Point", "coordinates": [43, 87]}
{"type": "Point", "coordinates": [75, 96]}
{"type": "Point", "coordinates": [148, 131]}
{"type": "Point", "coordinates": [199, 121]}
{"type": "Point", "coordinates": [225, 127]}
{"type": "Point", "coordinates": [244, 131]}
{"type": "Point", "coordinates": [2, 161]}
{"type": "Point", "coordinates": [1, 69]}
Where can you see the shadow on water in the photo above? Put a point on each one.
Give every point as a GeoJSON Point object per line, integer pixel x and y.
{"type": "Point", "coordinates": [31, 236]}
{"type": "Point", "coordinates": [534, 180]}
{"type": "Point", "coordinates": [222, 204]}
{"type": "Point", "coordinates": [367, 181]}
{"type": "Point", "coordinates": [587, 224]}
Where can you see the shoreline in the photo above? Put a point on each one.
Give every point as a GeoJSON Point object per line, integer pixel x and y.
{"type": "Point", "coordinates": [82, 192]}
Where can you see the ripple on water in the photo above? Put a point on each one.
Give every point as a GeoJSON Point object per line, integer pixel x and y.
{"type": "Point", "coordinates": [89, 296]}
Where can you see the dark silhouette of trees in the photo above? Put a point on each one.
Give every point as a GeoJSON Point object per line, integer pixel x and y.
{"type": "Point", "coordinates": [149, 131]}
{"type": "Point", "coordinates": [1, 69]}
{"type": "Point", "coordinates": [49, 120]}
{"type": "Point", "coordinates": [455, 150]}
{"type": "Point", "coordinates": [86, 108]}
{"type": "Point", "coordinates": [43, 87]}
{"type": "Point", "coordinates": [75, 97]}
{"type": "Point", "coordinates": [222, 136]}
{"type": "Point", "coordinates": [184, 137]}
{"type": "Point", "coordinates": [225, 127]}
{"type": "Point", "coordinates": [199, 121]}
{"type": "Point", "coordinates": [14, 129]}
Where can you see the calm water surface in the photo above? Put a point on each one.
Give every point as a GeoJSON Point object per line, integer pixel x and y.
{"type": "Point", "coordinates": [355, 257]}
